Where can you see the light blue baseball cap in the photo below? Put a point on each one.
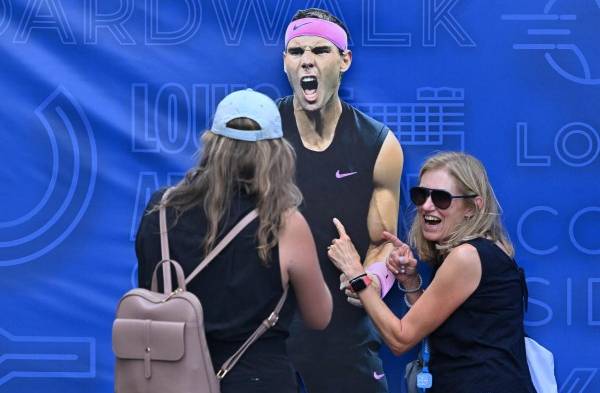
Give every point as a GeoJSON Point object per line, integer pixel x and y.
{"type": "Point", "coordinates": [253, 105]}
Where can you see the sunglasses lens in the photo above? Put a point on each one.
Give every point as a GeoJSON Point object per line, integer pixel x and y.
{"type": "Point", "coordinates": [418, 195]}
{"type": "Point", "coordinates": [441, 199]}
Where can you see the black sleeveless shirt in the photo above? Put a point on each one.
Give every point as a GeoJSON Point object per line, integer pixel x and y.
{"type": "Point", "coordinates": [236, 289]}
{"type": "Point", "coordinates": [337, 182]}
{"type": "Point", "coordinates": [480, 348]}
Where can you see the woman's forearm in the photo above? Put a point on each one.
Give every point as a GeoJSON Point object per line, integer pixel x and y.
{"type": "Point", "coordinates": [389, 326]}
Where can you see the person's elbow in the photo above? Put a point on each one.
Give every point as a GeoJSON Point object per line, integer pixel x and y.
{"type": "Point", "coordinates": [319, 323]}
{"type": "Point", "coordinates": [320, 319]}
{"type": "Point", "coordinates": [397, 348]}
{"type": "Point", "coordinates": [397, 340]}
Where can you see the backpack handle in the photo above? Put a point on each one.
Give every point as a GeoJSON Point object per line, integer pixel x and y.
{"type": "Point", "coordinates": [178, 271]}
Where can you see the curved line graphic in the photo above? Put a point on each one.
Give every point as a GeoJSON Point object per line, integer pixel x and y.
{"type": "Point", "coordinates": [6, 17]}
{"type": "Point", "coordinates": [582, 60]}
{"type": "Point", "coordinates": [588, 80]}
{"type": "Point", "coordinates": [568, 75]}
{"type": "Point", "coordinates": [585, 250]}
{"type": "Point", "coordinates": [47, 193]}
{"type": "Point", "coordinates": [565, 149]}
{"type": "Point", "coordinates": [560, 140]}
{"type": "Point", "coordinates": [550, 3]}
{"type": "Point", "coordinates": [79, 134]}
{"type": "Point", "coordinates": [67, 201]}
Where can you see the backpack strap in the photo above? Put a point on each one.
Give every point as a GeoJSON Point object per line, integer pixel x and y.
{"type": "Point", "coordinates": [248, 218]}
{"type": "Point", "coordinates": [164, 244]}
{"type": "Point", "coordinates": [262, 328]}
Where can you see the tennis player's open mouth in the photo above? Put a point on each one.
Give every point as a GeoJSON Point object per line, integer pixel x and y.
{"type": "Point", "coordinates": [309, 85]}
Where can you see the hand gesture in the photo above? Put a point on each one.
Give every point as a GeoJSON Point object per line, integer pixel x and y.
{"type": "Point", "coordinates": [401, 262]}
{"type": "Point", "coordinates": [343, 254]}
{"type": "Point", "coordinates": [352, 297]}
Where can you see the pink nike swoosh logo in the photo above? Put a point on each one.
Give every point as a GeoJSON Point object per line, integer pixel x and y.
{"type": "Point", "coordinates": [378, 376]}
{"type": "Point", "coordinates": [300, 25]}
{"type": "Point", "coordinates": [339, 175]}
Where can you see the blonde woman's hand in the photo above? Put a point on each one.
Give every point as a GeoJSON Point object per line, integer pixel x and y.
{"type": "Point", "coordinates": [402, 263]}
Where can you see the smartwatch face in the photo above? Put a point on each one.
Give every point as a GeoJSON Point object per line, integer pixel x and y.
{"type": "Point", "coordinates": [358, 284]}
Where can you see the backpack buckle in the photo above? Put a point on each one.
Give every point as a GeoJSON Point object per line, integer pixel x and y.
{"type": "Point", "coordinates": [175, 292]}
{"type": "Point", "coordinates": [272, 319]}
{"type": "Point", "coordinates": [221, 374]}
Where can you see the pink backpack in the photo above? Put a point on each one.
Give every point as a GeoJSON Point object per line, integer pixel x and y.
{"type": "Point", "coordinates": [158, 338]}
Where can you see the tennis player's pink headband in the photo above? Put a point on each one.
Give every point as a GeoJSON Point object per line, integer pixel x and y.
{"type": "Point", "coordinates": [317, 27]}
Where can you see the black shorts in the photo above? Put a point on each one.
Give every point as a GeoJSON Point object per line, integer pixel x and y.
{"type": "Point", "coordinates": [343, 370]}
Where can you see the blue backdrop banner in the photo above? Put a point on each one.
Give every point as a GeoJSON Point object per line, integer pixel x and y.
{"type": "Point", "coordinates": [104, 102]}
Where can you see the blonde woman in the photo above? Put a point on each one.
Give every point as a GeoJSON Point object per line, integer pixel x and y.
{"type": "Point", "coordinates": [473, 309]}
{"type": "Point", "coordinates": [245, 164]}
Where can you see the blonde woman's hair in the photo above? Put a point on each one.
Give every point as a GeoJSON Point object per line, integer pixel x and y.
{"type": "Point", "coordinates": [264, 169]}
{"type": "Point", "coordinates": [471, 178]}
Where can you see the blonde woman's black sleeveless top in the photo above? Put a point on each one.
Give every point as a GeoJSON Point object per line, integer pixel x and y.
{"type": "Point", "coordinates": [480, 347]}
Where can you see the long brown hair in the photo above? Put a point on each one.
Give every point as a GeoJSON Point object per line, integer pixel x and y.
{"type": "Point", "coordinates": [263, 169]}
{"type": "Point", "coordinates": [471, 178]}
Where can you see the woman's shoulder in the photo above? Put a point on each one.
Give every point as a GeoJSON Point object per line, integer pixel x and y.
{"type": "Point", "coordinates": [155, 198]}
{"type": "Point", "coordinates": [464, 255]}
{"type": "Point", "coordinates": [460, 273]}
{"type": "Point", "coordinates": [293, 222]}
{"type": "Point", "coordinates": [150, 214]}
{"type": "Point", "coordinates": [489, 247]}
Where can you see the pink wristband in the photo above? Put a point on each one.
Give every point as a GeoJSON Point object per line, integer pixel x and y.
{"type": "Point", "coordinates": [386, 278]}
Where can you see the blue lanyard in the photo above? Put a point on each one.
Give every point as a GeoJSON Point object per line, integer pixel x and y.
{"type": "Point", "coordinates": [426, 354]}
{"type": "Point", "coordinates": [424, 378]}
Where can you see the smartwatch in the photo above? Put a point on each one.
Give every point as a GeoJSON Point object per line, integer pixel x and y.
{"type": "Point", "coordinates": [360, 282]}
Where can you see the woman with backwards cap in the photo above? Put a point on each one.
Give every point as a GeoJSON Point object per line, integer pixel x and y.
{"type": "Point", "coordinates": [245, 164]}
